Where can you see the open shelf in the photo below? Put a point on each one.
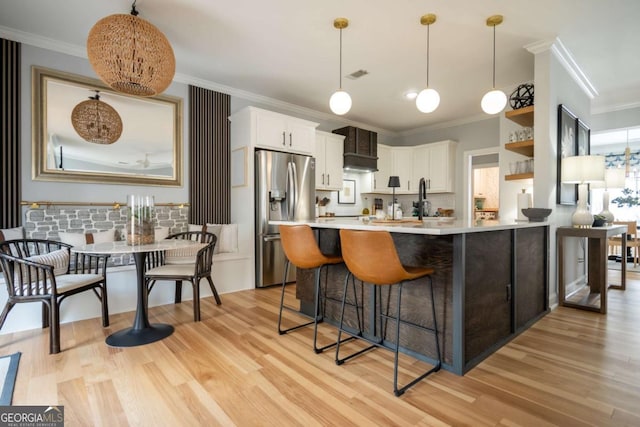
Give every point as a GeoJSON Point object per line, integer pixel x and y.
{"type": "Point", "coordinates": [522, 116]}
{"type": "Point", "coordinates": [518, 176]}
{"type": "Point", "coordinates": [521, 147]}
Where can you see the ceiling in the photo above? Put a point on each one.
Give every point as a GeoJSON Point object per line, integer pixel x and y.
{"type": "Point", "coordinates": [287, 50]}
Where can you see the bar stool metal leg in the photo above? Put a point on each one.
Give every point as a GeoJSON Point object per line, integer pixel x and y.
{"type": "Point", "coordinates": [282, 306]}
{"type": "Point", "coordinates": [400, 391]}
{"type": "Point", "coordinates": [341, 324]}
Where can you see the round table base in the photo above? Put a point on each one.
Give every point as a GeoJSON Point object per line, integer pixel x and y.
{"type": "Point", "coordinates": [132, 337]}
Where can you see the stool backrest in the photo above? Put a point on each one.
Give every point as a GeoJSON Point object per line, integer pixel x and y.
{"type": "Point", "coordinates": [300, 246]}
{"type": "Point", "coordinates": [371, 256]}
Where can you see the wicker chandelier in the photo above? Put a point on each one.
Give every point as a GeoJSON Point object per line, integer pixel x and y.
{"type": "Point", "coordinates": [131, 55]}
{"type": "Point", "coordinates": [96, 121]}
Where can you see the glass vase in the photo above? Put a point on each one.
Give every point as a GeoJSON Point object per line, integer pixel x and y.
{"type": "Point", "coordinates": [140, 220]}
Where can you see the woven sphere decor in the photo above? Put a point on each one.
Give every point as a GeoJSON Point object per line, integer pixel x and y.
{"type": "Point", "coordinates": [131, 55]}
{"type": "Point", "coordinates": [96, 121]}
{"type": "Point", "coordinates": [522, 96]}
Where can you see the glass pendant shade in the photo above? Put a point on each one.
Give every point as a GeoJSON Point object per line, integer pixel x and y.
{"type": "Point", "coordinates": [428, 100]}
{"type": "Point", "coordinates": [340, 102]}
{"type": "Point", "coordinates": [131, 55]}
{"type": "Point", "coordinates": [96, 121]}
{"type": "Point", "coordinates": [494, 101]}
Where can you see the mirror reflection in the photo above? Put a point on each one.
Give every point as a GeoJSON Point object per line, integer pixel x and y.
{"type": "Point", "coordinates": [148, 152]}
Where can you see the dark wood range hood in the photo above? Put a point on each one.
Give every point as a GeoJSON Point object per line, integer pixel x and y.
{"type": "Point", "coordinates": [360, 149]}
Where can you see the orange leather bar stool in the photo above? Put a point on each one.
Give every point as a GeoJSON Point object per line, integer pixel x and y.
{"type": "Point", "coordinates": [301, 250]}
{"type": "Point", "coordinates": [372, 258]}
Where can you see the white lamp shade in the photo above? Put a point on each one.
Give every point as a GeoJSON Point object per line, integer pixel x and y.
{"type": "Point", "coordinates": [428, 100]}
{"type": "Point", "coordinates": [613, 178]}
{"type": "Point", "coordinates": [582, 169]}
{"type": "Point", "coordinates": [340, 102]}
{"type": "Point", "coordinates": [493, 101]}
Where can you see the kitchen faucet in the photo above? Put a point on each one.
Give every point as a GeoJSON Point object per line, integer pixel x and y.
{"type": "Point", "coordinates": [422, 198]}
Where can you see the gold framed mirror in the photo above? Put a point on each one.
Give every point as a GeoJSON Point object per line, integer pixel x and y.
{"type": "Point", "coordinates": [148, 152]}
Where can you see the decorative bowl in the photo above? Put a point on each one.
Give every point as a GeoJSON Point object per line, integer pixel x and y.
{"type": "Point", "coordinates": [536, 214]}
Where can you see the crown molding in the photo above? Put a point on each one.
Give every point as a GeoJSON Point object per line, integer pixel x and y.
{"type": "Point", "coordinates": [42, 42]}
{"type": "Point", "coordinates": [566, 59]}
{"type": "Point", "coordinates": [614, 107]}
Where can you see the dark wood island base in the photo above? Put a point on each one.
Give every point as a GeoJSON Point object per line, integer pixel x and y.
{"type": "Point", "coordinates": [489, 286]}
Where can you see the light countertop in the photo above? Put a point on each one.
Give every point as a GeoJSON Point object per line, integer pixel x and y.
{"type": "Point", "coordinates": [432, 225]}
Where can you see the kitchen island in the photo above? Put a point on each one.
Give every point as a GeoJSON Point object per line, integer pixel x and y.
{"type": "Point", "coordinates": [490, 281]}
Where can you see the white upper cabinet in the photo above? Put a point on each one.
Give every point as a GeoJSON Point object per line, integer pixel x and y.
{"type": "Point", "coordinates": [381, 176]}
{"type": "Point", "coordinates": [278, 131]}
{"type": "Point", "coordinates": [329, 158]}
{"type": "Point", "coordinates": [402, 167]}
{"type": "Point", "coordinates": [434, 162]}
{"type": "Point", "coordinates": [441, 169]}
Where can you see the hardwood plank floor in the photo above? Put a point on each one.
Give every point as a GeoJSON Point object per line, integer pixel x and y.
{"type": "Point", "coordinates": [572, 368]}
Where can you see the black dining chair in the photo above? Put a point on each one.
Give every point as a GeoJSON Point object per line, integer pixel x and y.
{"type": "Point", "coordinates": [46, 271]}
{"type": "Point", "coordinates": [191, 264]}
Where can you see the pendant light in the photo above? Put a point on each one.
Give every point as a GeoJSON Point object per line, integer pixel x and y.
{"type": "Point", "coordinates": [627, 158]}
{"type": "Point", "coordinates": [428, 99]}
{"type": "Point", "coordinates": [96, 121]}
{"type": "Point", "coordinates": [340, 101]}
{"type": "Point", "coordinates": [131, 55]}
{"type": "Point", "coordinates": [495, 100]}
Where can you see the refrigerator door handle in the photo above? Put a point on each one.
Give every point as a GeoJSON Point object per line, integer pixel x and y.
{"type": "Point", "coordinates": [291, 200]}
{"type": "Point", "coordinates": [271, 238]}
{"type": "Point", "coordinates": [296, 190]}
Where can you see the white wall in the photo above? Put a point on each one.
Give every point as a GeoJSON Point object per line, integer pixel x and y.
{"type": "Point", "coordinates": [553, 86]}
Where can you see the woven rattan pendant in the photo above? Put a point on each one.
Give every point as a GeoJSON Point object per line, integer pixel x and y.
{"type": "Point", "coordinates": [96, 121]}
{"type": "Point", "coordinates": [131, 55]}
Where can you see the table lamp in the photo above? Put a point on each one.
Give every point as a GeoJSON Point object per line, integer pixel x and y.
{"type": "Point", "coordinates": [394, 182]}
{"type": "Point", "coordinates": [582, 170]}
{"type": "Point", "coordinates": [613, 178]}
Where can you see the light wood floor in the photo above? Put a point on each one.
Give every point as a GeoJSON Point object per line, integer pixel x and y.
{"type": "Point", "coordinates": [571, 368]}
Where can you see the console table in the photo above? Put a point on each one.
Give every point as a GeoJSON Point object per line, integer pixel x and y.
{"type": "Point", "coordinates": [593, 295]}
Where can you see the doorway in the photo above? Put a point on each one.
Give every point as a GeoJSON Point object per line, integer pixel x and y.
{"type": "Point", "coordinates": [481, 183]}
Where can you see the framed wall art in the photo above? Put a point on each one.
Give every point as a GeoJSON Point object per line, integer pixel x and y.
{"type": "Point", "coordinates": [583, 139]}
{"type": "Point", "coordinates": [347, 196]}
{"type": "Point", "coordinates": [566, 194]}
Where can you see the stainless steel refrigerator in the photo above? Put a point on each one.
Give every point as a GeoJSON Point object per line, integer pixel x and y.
{"type": "Point", "coordinates": [284, 190]}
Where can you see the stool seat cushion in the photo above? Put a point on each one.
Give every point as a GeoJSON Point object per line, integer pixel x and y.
{"type": "Point", "coordinates": [371, 256]}
{"type": "Point", "coordinates": [301, 248]}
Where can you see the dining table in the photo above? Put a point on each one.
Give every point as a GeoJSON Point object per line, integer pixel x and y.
{"type": "Point", "coordinates": [142, 331]}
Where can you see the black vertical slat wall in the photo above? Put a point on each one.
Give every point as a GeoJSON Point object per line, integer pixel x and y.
{"type": "Point", "coordinates": [10, 134]}
{"type": "Point", "coordinates": [209, 157]}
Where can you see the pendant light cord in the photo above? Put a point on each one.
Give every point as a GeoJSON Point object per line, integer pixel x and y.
{"type": "Point", "coordinates": [494, 56]}
{"type": "Point", "coordinates": [340, 70]}
{"type": "Point", "coordinates": [428, 27]}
